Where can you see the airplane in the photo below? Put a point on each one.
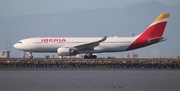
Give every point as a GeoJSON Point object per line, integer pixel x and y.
{"type": "Point", "coordinates": [71, 46]}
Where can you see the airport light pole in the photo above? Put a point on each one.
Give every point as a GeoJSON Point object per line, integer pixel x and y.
{"type": "Point", "coordinates": [133, 50]}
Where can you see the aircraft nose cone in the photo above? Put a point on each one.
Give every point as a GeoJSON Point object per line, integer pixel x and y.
{"type": "Point", "coordinates": [16, 46]}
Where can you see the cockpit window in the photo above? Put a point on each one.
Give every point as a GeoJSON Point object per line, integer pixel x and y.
{"type": "Point", "coordinates": [19, 42]}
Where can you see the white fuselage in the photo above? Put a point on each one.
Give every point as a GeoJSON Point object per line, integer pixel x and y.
{"type": "Point", "coordinates": [51, 44]}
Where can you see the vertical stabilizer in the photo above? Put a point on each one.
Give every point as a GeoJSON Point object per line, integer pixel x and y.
{"type": "Point", "coordinates": [156, 29]}
{"type": "Point", "coordinates": [152, 34]}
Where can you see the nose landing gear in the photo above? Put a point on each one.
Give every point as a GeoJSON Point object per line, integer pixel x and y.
{"type": "Point", "coordinates": [30, 55]}
{"type": "Point", "coordinates": [27, 54]}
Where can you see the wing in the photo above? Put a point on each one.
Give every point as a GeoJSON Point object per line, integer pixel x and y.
{"type": "Point", "coordinates": [89, 46]}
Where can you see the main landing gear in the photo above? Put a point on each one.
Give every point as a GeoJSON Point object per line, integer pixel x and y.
{"type": "Point", "coordinates": [90, 56]}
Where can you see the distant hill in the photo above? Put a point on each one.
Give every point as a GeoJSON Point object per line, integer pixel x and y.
{"type": "Point", "coordinates": [98, 22]}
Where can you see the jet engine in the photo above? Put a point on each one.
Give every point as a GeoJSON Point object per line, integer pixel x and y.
{"type": "Point", "coordinates": [65, 51]}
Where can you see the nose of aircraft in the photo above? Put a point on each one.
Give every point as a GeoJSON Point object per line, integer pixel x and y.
{"type": "Point", "coordinates": [16, 46]}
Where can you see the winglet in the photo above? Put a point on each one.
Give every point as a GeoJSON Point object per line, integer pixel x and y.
{"type": "Point", "coordinates": [103, 39]}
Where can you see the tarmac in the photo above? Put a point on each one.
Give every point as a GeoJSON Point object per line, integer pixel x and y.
{"type": "Point", "coordinates": [134, 63]}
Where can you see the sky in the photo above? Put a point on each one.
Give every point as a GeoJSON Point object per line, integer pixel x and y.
{"type": "Point", "coordinates": [10, 8]}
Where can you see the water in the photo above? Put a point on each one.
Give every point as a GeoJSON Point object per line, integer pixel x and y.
{"type": "Point", "coordinates": [90, 79]}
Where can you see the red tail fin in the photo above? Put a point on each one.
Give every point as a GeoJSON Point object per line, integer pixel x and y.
{"type": "Point", "coordinates": [154, 31]}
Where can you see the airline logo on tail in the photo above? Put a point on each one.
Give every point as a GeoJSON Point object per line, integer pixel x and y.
{"type": "Point", "coordinates": [152, 34]}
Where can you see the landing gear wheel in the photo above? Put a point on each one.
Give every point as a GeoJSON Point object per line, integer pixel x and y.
{"type": "Point", "coordinates": [31, 57]}
{"type": "Point", "coordinates": [86, 57]}
{"type": "Point", "coordinates": [90, 56]}
{"type": "Point", "coordinates": [94, 56]}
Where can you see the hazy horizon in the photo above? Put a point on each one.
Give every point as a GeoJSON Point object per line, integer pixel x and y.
{"type": "Point", "coordinates": [11, 8]}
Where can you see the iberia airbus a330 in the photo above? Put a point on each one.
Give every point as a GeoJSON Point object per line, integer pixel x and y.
{"type": "Point", "coordinates": [69, 46]}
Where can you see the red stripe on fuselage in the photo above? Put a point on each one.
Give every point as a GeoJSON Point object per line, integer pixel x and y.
{"type": "Point", "coordinates": [151, 32]}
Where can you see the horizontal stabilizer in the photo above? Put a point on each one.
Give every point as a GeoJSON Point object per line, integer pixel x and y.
{"type": "Point", "coordinates": [155, 40]}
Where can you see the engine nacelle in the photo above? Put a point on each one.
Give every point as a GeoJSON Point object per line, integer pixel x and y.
{"type": "Point", "coordinates": [65, 51]}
